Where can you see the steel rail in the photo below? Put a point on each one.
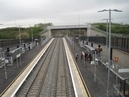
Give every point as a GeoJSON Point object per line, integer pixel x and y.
{"type": "Point", "coordinates": [38, 76]}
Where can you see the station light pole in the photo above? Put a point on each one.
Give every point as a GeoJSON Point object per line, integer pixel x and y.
{"type": "Point", "coordinates": [19, 34]}
{"type": "Point", "coordinates": [109, 58]}
{"type": "Point", "coordinates": [106, 31]}
{"type": "Point", "coordinates": [32, 34]}
{"type": "Point", "coordinates": [107, 35]}
{"type": "Point", "coordinates": [79, 24]}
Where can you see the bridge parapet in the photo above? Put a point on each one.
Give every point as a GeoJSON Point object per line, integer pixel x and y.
{"type": "Point", "coordinates": [67, 27]}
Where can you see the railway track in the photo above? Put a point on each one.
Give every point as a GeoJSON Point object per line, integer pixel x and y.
{"type": "Point", "coordinates": [51, 76]}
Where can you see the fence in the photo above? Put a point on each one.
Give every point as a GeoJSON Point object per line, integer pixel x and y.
{"type": "Point", "coordinates": [121, 43]}
{"type": "Point", "coordinates": [9, 42]}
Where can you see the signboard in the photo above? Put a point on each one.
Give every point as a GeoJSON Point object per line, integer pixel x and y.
{"type": "Point", "coordinates": [2, 62]}
{"type": "Point", "coordinates": [18, 55]}
{"type": "Point", "coordinates": [123, 70]}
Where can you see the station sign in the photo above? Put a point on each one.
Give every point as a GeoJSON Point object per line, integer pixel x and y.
{"type": "Point", "coordinates": [123, 70]}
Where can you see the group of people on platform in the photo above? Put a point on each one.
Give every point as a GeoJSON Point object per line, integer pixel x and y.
{"type": "Point", "coordinates": [86, 55]}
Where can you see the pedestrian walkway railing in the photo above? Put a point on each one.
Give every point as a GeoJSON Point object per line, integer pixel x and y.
{"type": "Point", "coordinates": [114, 67]}
{"type": "Point", "coordinates": [69, 39]}
{"type": "Point", "coordinates": [44, 41]}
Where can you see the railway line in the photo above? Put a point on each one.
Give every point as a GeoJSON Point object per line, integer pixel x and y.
{"type": "Point", "coordinates": [52, 76]}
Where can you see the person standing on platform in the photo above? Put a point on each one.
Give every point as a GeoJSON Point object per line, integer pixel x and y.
{"type": "Point", "coordinates": [89, 57]}
{"type": "Point", "coordinates": [81, 55]}
{"type": "Point", "coordinates": [29, 46]}
{"type": "Point", "coordinates": [76, 56]}
{"type": "Point", "coordinates": [85, 56]}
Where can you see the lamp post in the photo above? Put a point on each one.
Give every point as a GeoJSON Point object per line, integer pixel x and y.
{"type": "Point", "coordinates": [106, 31]}
{"type": "Point", "coordinates": [79, 24]}
{"type": "Point", "coordinates": [32, 34]}
{"type": "Point", "coordinates": [107, 35]}
{"type": "Point", "coordinates": [19, 34]}
{"type": "Point", "coordinates": [109, 58]}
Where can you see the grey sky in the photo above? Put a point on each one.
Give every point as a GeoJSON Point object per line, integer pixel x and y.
{"type": "Point", "coordinates": [60, 12]}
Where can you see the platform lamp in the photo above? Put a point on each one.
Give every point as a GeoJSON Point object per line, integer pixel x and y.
{"type": "Point", "coordinates": [109, 10]}
{"type": "Point", "coordinates": [106, 30]}
{"type": "Point", "coordinates": [106, 19]}
{"type": "Point", "coordinates": [19, 34]}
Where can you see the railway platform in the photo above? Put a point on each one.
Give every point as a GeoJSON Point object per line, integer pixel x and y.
{"type": "Point", "coordinates": [13, 71]}
{"type": "Point", "coordinates": [99, 88]}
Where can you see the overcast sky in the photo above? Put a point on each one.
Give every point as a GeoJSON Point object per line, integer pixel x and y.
{"type": "Point", "coordinates": [60, 12]}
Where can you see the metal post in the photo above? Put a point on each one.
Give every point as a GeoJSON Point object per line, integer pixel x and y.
{"type": "Point", "coordinates": [108, 81]}
{"type": "Point", "coordinates": [32, 34]}
{"type": "Point", "coordinates": [5, 71]}
{"type": "Point", "coordinates": [17, 63]}
{"type": "Point", "coordinates": [95, 67]}
{"type": "Point", "coordinates": [73, 42]}
{"type": "Point", "coordinates": [20, 59]}
{"type": "Point", "coordinates": [79, 24]}
{"type": "Point", "coordinates": [19, 36]}
{"type": "Point", "coordinates": [124, 87]}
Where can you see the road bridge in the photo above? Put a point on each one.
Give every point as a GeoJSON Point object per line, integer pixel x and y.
{"type": "Point", "coordinates": [88, 29]}
{"type": "Point", "coordinates": [65, 27]}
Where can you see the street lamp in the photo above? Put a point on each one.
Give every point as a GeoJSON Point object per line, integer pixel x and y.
{"type": "Point", "coordinates": [32, 34]}
{"type": "Point", "coordinates": [106, 31]}
{"type": "Point", "coordinates": [116, 10]}
{"type": "Point", "coordinates": [19, 34]}
{"type": "Point", "coordinates": [79, 24]}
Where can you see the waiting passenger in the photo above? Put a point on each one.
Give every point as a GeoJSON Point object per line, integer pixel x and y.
{"type": "Point", "coordinates": [85, 56]}
{"type": "Point", "coordinates": [29, 46]}
{"type": "Point", "coordinates": [76, 56]}
{"type": "Point", "coordinates": [81, 55]}
{"type": "Point", "coordinates": [89, 57]}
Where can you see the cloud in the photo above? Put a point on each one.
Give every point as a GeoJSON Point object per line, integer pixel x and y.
{"type": "Point", "coordinates": [60, 11]}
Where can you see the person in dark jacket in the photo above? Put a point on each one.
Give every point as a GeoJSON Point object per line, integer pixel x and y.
{"type": "Point", "coordinates": [85, 56]}
{"type": "Point", "coordinates": [76, 56]}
